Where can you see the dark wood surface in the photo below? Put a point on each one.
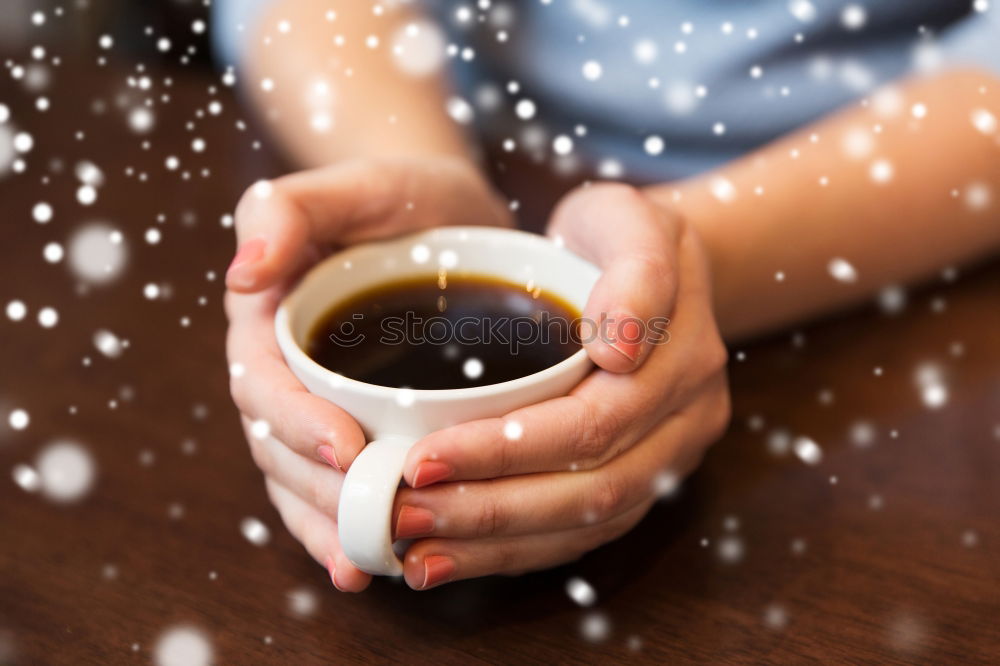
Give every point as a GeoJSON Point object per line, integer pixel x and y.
{"type": "Point", "coordinates": [888, 553]}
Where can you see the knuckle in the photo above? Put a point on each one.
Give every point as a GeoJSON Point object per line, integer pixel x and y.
{"type": "Point", "coordinates": [596, 438]}
{"type": "Point", "coordinates": [260, 454]}
{"type": "Point", "coordinates": [722, 412]}
{"type": "Point", "coordinates": [652, 266]}
{"type": "Point", "coordinates": [228, 305]}
{"type": "Point", "coordinates": [614, 530]}
{"type": "Point", "coordinates": [503, 461]}
{"type": "Point", "coordinates": [620, 193]}
{"type": "Point", "coordinates": [272, 496]}
{"type": "Point", "coordinates": [240, 394]}
{"type": "Point", "coordinates": [507, 558]}
{"type": "Point", "coordinates": [492, 518]}
{"type": "Point", "coordinates": [310, 533]}
{"type": "Point", "coordinates": [582, 197]}
{"type": "Point", "coordinates": [607, 499]}
{"type": "Point", "coordinates": [249, 204]}
{"type": "Point", "coordinates": [294, 424]}
{"type": "Point", "coordinates": [319, 495]}
{"type": "Point", "coordinates": [718, 356]}
{"type": "Point", "coordinates": [380, 180]}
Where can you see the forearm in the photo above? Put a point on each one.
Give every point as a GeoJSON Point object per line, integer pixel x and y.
{"type": "Point", "coordinates": [895, 193]}
{"type": "Point", "coordinates": [332, 96]}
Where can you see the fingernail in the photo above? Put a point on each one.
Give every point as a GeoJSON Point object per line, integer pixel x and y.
{"type": "Point", "coordinates": [627, 336]}
{"type": "Point", "coordinates": [413, 522]}
{"type": "Point", "coordinates": [429, 472]}
{"type": "Point", "coordinates": [247, 253]}
{"type": "Point", "coordinates": [332, 568]}
{"type": "Point", "coordinates": [437, 569]}
{"type": "Point", "coordinates": [329, 456]}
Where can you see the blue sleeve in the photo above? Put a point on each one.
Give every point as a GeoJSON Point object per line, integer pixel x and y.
{"type": "Point", "coordinates": [231, 23]}
{"type": "Point", "coordinates": [975, 40]}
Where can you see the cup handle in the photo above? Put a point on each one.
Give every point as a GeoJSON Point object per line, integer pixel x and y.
{"type": "Point", "coordinates": [364, 516]}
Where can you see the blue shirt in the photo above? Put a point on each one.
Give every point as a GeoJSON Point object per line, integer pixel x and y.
{"type": "Point", "coordinates": [656, 90]}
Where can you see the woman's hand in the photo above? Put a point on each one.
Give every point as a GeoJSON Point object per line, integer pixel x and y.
{"type": "Point", "coordinates": [301, 442]}
{"type": "Point", "coordinates": [549, 482]}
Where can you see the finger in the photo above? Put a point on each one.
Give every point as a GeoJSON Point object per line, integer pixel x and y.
{"type": "Point", "coordinates": [265, 390]}
{"type": "Point", "coordinates": [318, 534]}
{"type": "Point", "coordinates": [432, 562]}
{"type": "Point", "coordinates": [538, 503]}
{"type": "Point", "coordinates": [605, 415]}
{"type": "Point", "coordinates": [633, 242]}
{"type": "Point", "coordinates": [317, 484]}
{"type": "Point", "coordinates": [277, 221]}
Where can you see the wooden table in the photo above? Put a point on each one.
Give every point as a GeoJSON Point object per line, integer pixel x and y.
{"type": "Point", "coordinates": [887, 551]}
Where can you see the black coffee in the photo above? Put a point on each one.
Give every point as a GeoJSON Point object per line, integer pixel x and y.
{"type": "Point", "coordinates": [444, 332]}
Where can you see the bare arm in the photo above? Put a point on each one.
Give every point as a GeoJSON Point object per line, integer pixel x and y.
{"type": "Point", "coordinates": [336, 90]}
{"type": "Point", "coordinates": [899, 193]}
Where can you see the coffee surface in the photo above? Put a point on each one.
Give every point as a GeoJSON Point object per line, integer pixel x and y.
{"type": "Point", "coordinates": [445, 331]}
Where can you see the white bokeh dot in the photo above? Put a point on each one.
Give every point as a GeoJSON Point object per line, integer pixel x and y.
{"type": "Point", "coordinates": [140, 120]}
{"type": "Point", "coordinates": [562, 145]}
{"type": "Point", "coordinates": [183, 645]}
{"type": "Point", "coordinates": [97, 253]}
{"type": "Point", "coordinates": [595, 627]}
{"type": "Point", "coordinates": [303, 602]}
{"type": "Point", "coordinates": [881, 171]}
{"type": "Point", "coordinates": [853, 17]}
{"type": "Point", "coordinates": [653, 145]}
{"type": "Point", "coordinates": [27, 478]}
{"type": "Point", "coordinates": [984, 121]}
{"type": "Point", "coordinates": [513, 430]}
{"type": "Point", "coordinates": [580, 591]}
{"type": "Point", "coordinates": [48, 317]}
{"type": "Point", "coordinates": [592, 70]}
{"type": "Point", "coordinates": [23, 142]}
{"type": "Point", "coordinates": [472, 368]}
{"type": "Point", "coordinates": [460, 110]}
{"type": "Point", "coordinates": [420, 253]}
{"type": "Point", "coordinates": [66, 471]}
{"type": "Point", "coordinates": [419, 48]}
{"type": "Point", "coordinates": [16, 310]}
{"type": "Point", "coordinates": [86, 195]}
{"type": "Point", "coordinates": [807, 450]}
{"type": "Point", "coordinates": [108, 343]}
{"type": "Point", "coordinates": [262, 189]}
{"type": "Point", "coordinates": [42, 212]}
{"type": "Point", "coordinates": [842, 270]}
{"type": "Point", "coordinates": [255, 531]}
{"type": "Point", "coordinates": [53, 252]}
{"type": "Point", "coordinates": [18, 419]}
{"type": "Point", "coordinates": [260, 429]}
{"type": "Point", "coordinates": [525, 109]}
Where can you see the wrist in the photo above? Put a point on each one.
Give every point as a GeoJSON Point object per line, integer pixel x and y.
{"type": "Point", "coordinates": [475, 179]}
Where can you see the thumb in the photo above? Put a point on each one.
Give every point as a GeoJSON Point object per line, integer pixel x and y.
{"type": "Point", "coordinates": [280, 224]}
{"type": "Point", "coordinates": [272, 233]}
{"type": "Point", "coordinates": [633, 242]}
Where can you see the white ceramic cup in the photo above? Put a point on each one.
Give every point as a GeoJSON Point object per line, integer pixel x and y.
{"type": "Point", "coordinates": [394, 418]}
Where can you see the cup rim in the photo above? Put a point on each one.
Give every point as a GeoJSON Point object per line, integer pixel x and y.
{"type": "Point", "coordinates": [294, 354]}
